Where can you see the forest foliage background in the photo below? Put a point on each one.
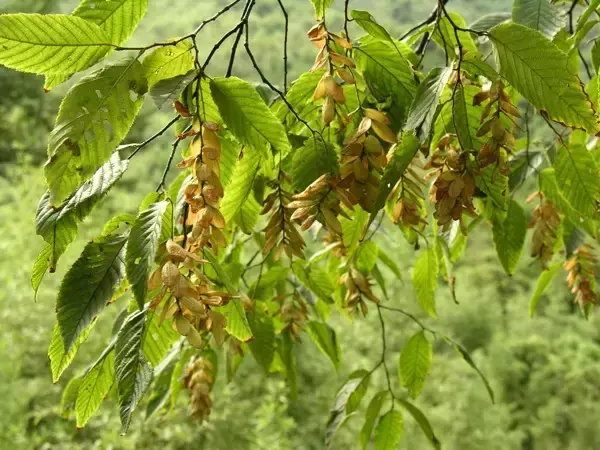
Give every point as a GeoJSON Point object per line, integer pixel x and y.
{"type": "Point", "coordinates": [544, 370]}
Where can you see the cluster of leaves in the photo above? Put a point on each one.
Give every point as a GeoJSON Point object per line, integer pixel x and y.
{"type": "Point", "coordinates": [358, 137]}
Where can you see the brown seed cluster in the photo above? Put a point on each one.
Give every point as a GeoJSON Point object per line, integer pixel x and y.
{"type": "Point", "coordinates": [358, 288]}
{"type": "Point", "coordinates": [199, 380]}
{"type": "Point", "coordinates": [293, 312]}
{"type": "Point", "coordinates": [545, 222]}
{"type": "Point", "coordinates": [339, 69]}
{"type": "Point", "coordinates": [454, 186]}
{"type": "Point", "coordinates": [363, 158]}
{"type": "Point", "coordinates": [581, 276]}
{"type": "Point", "coordinates": [189, 297]}
{"type": "Point", "coordinates": [281, 233]}
{"type": "Point", "coordinates": [501, 141]}
{"type": "Point", "coordinates": [322, 201]}
{"type": "Point", "coordinates": [205, 191]}
{"type": "Point", "coordinates": [409, 195]}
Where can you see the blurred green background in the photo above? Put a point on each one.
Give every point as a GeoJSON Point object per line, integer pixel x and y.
{"type": "Point", "coordinates": [545, 371]}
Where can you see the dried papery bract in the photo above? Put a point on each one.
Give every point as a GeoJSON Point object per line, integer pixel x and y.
{"type": "Point", "coordinates": [293, 312]}
{"type": "Point", "coordinates": [338, 70]}
{"type": "Point", "coordinates": [322, 201]}
{"type": "Point", "coordinates": [501, 140]}
{"type": "Point", "coordinates": [581, 276]}
{"type": "Point", "coordinates": [545, 223]}
{"type": "Point", "coordinates": [205, 191]}
{"type": "Point", "coordinates": [281, 233]}
{"type": "Point", "coordinates": [409, 195]}
{"type": "Point", "coordinates": [364, 158]}
{"type": "Point", "coordinates": [358, 289]}
{"type": "Point", "coordinates": [454, 186]}
{"type": "Point", "coordinates": [199, 380]}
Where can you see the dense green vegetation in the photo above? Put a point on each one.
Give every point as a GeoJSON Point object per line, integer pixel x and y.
{"type": "Point", "coordinates": [543, 370]}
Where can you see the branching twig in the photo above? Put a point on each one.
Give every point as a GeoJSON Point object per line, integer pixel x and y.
{"type": "Point", "coordinates": [156, 136]}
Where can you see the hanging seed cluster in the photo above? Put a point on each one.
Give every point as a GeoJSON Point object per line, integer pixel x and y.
{"type": "Point", "coordinates": [339, 68]}
{"type": "Point", "coordinates": [501, 142]}
{"type": "Point", "coordinates": [454, 186]}
{"type": "Point", "coordinates": [293, 312]}
{"type": "Point", "coordinates": [409, 193]}
{"type": "Point", "coordinates": [322, 200]}
{"type": "Point", "coordinates": [199, 380]}
{"type": "Point", "coordinates": [358, 288]}
{"type": "Point", "coordinates": [281, 233]}
{"type": "Point", "coordinates": [545, 223]}
{"type": "Point", "coordinates": [205, 192]}
{"type": "Point", "coordinates": [581, 276]}
{"type": "Point", "coordinates": [189, 297]}
{"type": "Point", "coordinates": [363, 158]}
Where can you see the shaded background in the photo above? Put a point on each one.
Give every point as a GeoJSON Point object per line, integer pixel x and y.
{"type": "Point", "coordinates": [545, 371]}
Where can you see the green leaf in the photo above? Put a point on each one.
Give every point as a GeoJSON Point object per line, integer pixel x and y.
{"type": "Point", "coordinates": [118, 18]}
{"type": "Point", "coordinates": [263, 344]}
{"type": "Point", "coordinates": [366, 256]}
{"type": "Point", "coordinates": [247, 116]}
{"type": "Point", "coordinates": [596, 56]}
{"type": "Point", "coordinates": [415, 363]}
{"type": "Point", "coordinates": [132, 372]}
{"type": "Point", "coordinates": [401, 158]}
{"type": "Point", "coordinates": [444, 36]}
{"type": "Point", "coordinates": [539, 15]}
{"type": "Point", "coordinates": [95, 386]}
{"type": "Point", "coordinates": [467, 357]}
{"type": "Point", "coordinates": [237, 322]}
{"type": "Point", "coordinates": [389, 431]}
{"type": "Point", "coordinates": [509, 236]}
{"type": "Point", "coordinates": [88, 285]}
{"type": "Point", "coordinates": [539, 71]}
{"type": "Point", "coordinates": [157, 339]}
{"type": "Point", "coordinates": [359, 393]}
{"type": "Point", "coordinates": [314, 159]}
{"type": "Point", "coordinates": [427, 100]}
{"type": "Point", "coordinates": [300, 96]}
{"type": "Point", "coordinates": [388, 76]}
{"type": "Point", "coordinates": [315, 279]}
{"type": "Point", "coordinates": [577, 179]}
{"type": "Point", "coordinates": [166, 92]}
{"type": "Point", "coordinates": [69, 396]}
{"type": "Point", "coordinates": [324, 336]}
{"type": "Point", "coordinates": [542, 284]}
{"type": "Point", "coordinates": [337, 414]}
{"type": "Point", "coordinates": [354, 229]}
{"type": "Point", "coordinates": [425, 278]}
{"type": "Point", "coordinates": [168, 62]}
{"type": "Point", "coordinates": [490, 20]}
{"type": "Point", "coordinates": [390, 263]}
{"type": "Point", "coordinates": [463, 123]}
{"type": "Point", "coordinates": [248, 215]}
{"type": "Point", "coordinates": [58, 226]}
{"type": "Point", "coordinates": [320, 7]}
{"type": "Point", "coordinates": [370, 418]}
{"type": "Point", "coordinates": [240, 187]}
{"type": "Point", "coordinates": [50, 43]}
{"type": "Point", "coordinates": [423, 423]}
{"type": "Point", "coordinates": [208, 108]}
{"type": "Point", "coordinates": [141, 248]}
{"type": "Point", "coordinates": [94, 117]}
{"type": "Point", "coordinates": [59, 359]}
{"type": "Point", "coordinates": [367, 22]}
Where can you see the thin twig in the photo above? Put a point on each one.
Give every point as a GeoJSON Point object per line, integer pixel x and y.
{"type": "Point", "coordinates": [285, 46]}
{"type": "Point", "coordinates": [244, 24]}
{"type": "Point", "coordinates": [174, 146]}
{"type": "Point", "coordinates": [156, 136]}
